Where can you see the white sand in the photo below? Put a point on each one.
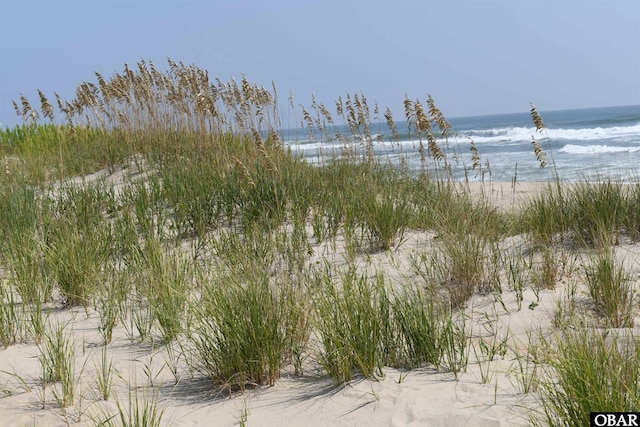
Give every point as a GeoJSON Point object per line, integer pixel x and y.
{"type": "Point", "coordinates": [422, 397]}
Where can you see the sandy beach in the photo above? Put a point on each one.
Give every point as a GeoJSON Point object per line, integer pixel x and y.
{"type": "Point", "coordinates": [488, 393]}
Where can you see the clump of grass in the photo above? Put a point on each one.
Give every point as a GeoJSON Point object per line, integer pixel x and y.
{"type": "Point", "coordinates": [105, 375]}
{"type": "Point", "coordinates": [545, 216]}
{"type": "Point", "coordinates": [19, 209]}
{"type": "Point", "coordinates": [76, 258]}
{"type": "Point", "coordinates": [526, 367]}
{"type": "Point", "coordinates": [588, 374]}
{"type": "Point", "coordinates": [549, 270]}
{"type": "Point", "coordinates": [597, 212]}
{"type": "Point", "coordinates": [517, 272]}
{"type": "Point", "coordinates": [364, 326]}
{"type": "Point", "coordinates": [11, 318]}
{"type": "Point", "coordinates": [108, 307]}
{"type": "Point", "coordinates": [420, 322]}
{"type": "Point", "coordinates": [611, 289]}
{"type": "Point", "coordinates": [165, 281]}
{"type": "Point", "coordinates": [138, 411]}
{"type": "Point", "coordinates": [386, 218]}
{"type": "Point", "coordinates": [78, 240]}
{"type": "Point", "coordinates": [244, 329]}
{"type": "Point", "coordinates": [57, 359]}
{"type": "Point", "coordinates": [353, 319]}
{"type": "Point", "coordinates": [463, 263]}
{"type": "Point", "coordinates": [460, 266]}
{"type": "Point", "coordinates": [27, 263]}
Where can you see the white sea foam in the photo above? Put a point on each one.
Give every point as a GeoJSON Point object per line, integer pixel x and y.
{"type": "Point", "coordinates": [596, 149]}
{"type": "Point", "coordinates": [520, 134]}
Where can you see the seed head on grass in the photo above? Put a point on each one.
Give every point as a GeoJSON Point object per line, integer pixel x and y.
{"type": "Point", "coordinates": [409, 112]}
{"type": "Point", "coordinates": [438, 117]}
{"type": "Point", "coordinates": [541, 156]}
{"type": "Point", "coordinates": [422, 121]}
{"type": "Point", "coordinates": [243, 171]}
{"type": "Point", "coordinates": [537, 118]}
{"type": "Point", "coordinates": [475, 156]}
{"type": "Point", "coordinates": [434, 147]}
{"type": "Point", "coordinates": [47, 108]}
{"type": "Point", "coordinates": [388, 115]}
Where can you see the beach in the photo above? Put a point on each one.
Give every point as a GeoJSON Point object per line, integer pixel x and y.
{"type": "Point", "coordinates": [488, 392]}
{"type": "Point", "coordinates": [174, 258]}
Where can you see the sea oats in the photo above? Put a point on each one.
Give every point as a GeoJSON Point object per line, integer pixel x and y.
{"type": "Point", "coordinates": [325, 112]}
{"type": "Point", "coordinates": [409, 111]}
{"type": "Point", "coordinates": [236, 92]}
{"type": "Point", "coordinates": [352, 119]}
{"type": "Point", "coordinates": [541, 156]}
{"type": "Point", "coordinates": [244, 172]}
{"type": "Point", "coordinates": [422, 122]}
{"type": "Point", "coordinates": [271, 166]}
{"type": "Point", "coordinates": [437, 116]}
{"type": "Point", "coordinates": [104, 86]}
{"type": "Point", "coordinates": [537, 118]}
{"type": "Point", "coordinates": [291, 100]}
{"type": "Point", "coordinates": [15, 107]}
{"type": "Point", "coordinates": [307, 118]}
{"type": "Point", "coordinates": [365, 108]}
{"type": "Point", "coordinates": [28, 113]}
{"type": "Point", "coordinates": [475, 157]}
{"type": "Point", "coordinates": [435, 149]}
{"type": "Point", "coordinates": [376, 111]}
{"type": "Point", "coordinates": [339, 107]}
{"type": "Point", "coordinates": [388, 115]}
{"type": "Point", "coordinates": [275, 93]}
{"type": "Point", "coordinates": [247, 90]}
{"type": "Point", "coordinates": [274, 140]}
{"type": "Point", "coordinates": [257, 138]}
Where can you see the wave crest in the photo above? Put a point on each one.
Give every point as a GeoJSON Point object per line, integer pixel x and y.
{"type": "Point", "coordinates": [596, 149]}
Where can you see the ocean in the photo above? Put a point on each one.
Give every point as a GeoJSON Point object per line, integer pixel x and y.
{"type": "Point", "coordinates": [580, 145]}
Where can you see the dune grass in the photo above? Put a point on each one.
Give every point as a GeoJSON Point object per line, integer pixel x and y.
{"type": "Point", "coordinates": [589, 372]}
{"type": "Point", "coordinates": [215, 238]}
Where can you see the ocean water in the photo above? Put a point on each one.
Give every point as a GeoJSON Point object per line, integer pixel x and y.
{"type": "Point", "coordinates": [587, 144]}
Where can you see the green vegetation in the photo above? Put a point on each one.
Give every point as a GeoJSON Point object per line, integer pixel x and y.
{"type": "Point", "coordinates": [170, 206]}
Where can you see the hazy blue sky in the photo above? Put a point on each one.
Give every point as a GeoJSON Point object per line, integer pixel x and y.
{"type": "Point", "coordinates": [473, 57]}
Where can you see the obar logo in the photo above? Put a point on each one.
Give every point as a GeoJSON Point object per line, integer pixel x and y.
{"type": "Point", "coordinates": [615, 419]}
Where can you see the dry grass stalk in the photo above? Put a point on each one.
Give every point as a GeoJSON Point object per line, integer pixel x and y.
{"type": "Point", "coordinates": [27, 112]}
{"type": "Point", "coordinates": [409, 111]}
{"type": "Point", "coordinates": [340, 108]}
{"type": "Point", "coordinates": [475, 156]}
{"type": "Point", "coordinates": [392, 124]}
{"type": "Point", "coordinates": [438, 117]}
{"type": "Point", "coordinates": [541, 156]}
{"type": "Point", "coordinates": [257, 138]}
{"type": "Point", "coordinates": [141, 99]}
{"type": "Point", "coordinates": [271, 166]}
{"type": "Point", "coordinates": [243, 171]}
{"type": "Point", "coordinates": [435, 149]}
{"type": "Point", "coordinates": [422, 122]}
{"type": "Point", "coordinates": [16, 108]}
{"type": "Point", "coordinates": [537, 118]}
{"type": "Point", "coordinates": [352, 119]}
{"type": "Point", "coordinates": [326, 114]}
{"type": "Point", "coordinates": [308, 119]}
{"type": "Point", "coordinates": [274, 140]}
{"type": "Point", "coordinates": [46, 107]}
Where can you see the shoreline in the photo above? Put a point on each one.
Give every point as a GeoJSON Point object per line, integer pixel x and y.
{"type": "Point", "coordinates": [503, 195]}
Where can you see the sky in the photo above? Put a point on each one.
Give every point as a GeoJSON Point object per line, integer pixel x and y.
{"type": "Point", "coordinates": [474, 57]}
